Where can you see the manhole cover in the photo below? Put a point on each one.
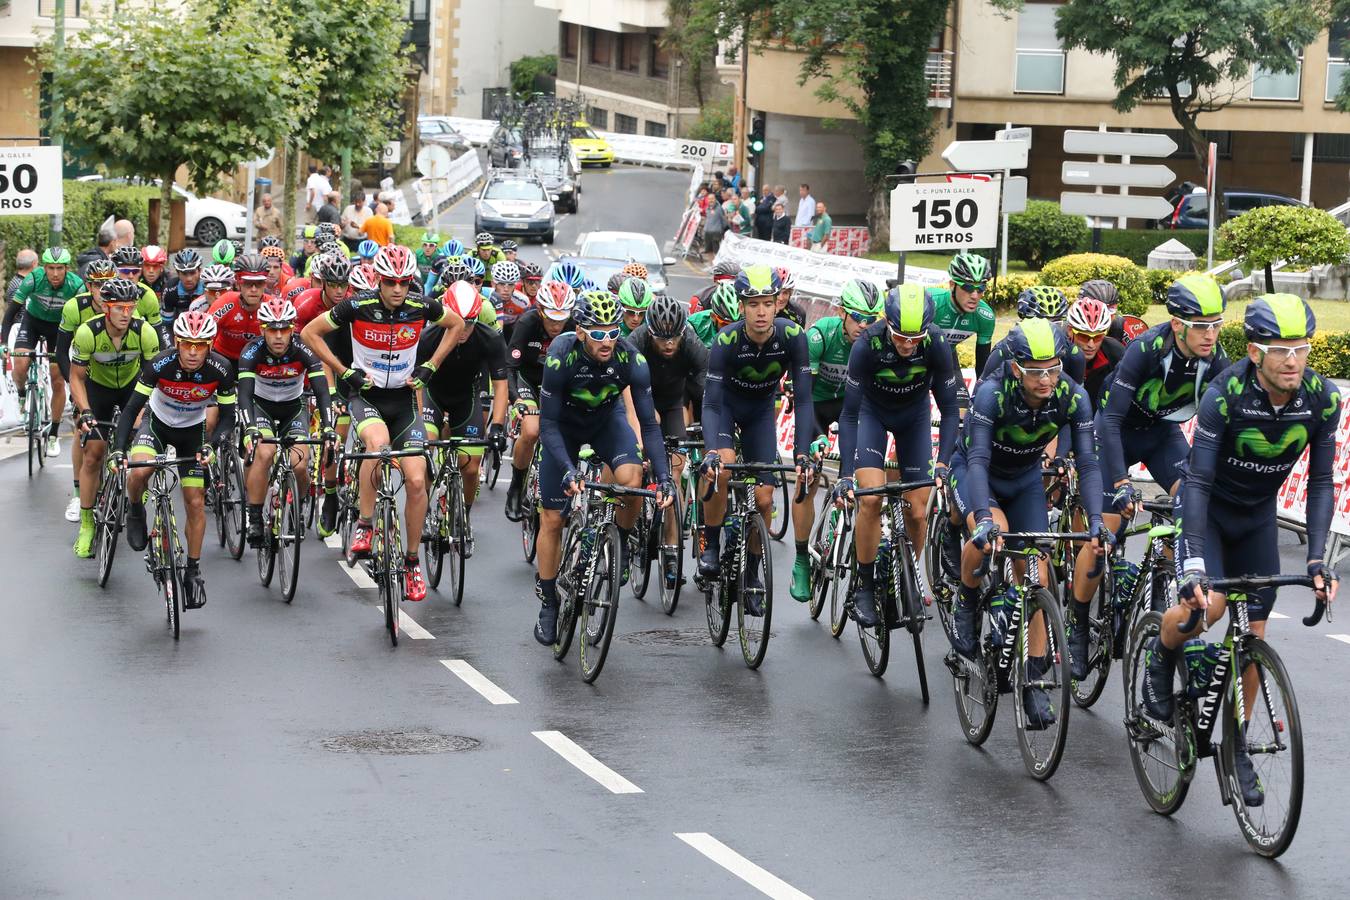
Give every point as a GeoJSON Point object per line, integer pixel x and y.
{"type": "Point", "coordinates": [669, 637]}
{"type": "Point", "coordinates": [398, 743]}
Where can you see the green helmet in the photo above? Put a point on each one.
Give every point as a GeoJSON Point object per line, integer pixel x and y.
{"type": "Point", "coordinates": [1274, 316]}
{"type": "Point", "coordinates": [1042, 302]}
{"type": "Point", "coordinates": [223, 252]}
{"type": "Point", "coordinates": [725, 303]}
{"type": "Point", "coordinates": [596, 309]}
{"type": "Point", "coordinates": [968, 268]}
{"type": "Point", "coordinates": [56, 256]}
{"type": "Point", "coordinates": [861, 298]}
{"type": "Point", "coordinates": [430, 237]}
{"type": "Point", "coordinates": [634, 293]}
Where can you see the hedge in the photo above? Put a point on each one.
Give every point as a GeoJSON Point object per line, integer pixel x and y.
{"type": "Point", "coordinates": [1068, 272]}
{"type": "Point", "coordinates": [1330, 355]}
{"type": "Point", "coordinates": [87, 205]}
{"type": "Point", "coordinates": [1135, 244]}
{"type": "Point", "coordinates": [1003, 291]}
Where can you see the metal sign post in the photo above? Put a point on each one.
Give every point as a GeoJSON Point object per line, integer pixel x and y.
{"type": "Point", "coordinates": [1211, 182]}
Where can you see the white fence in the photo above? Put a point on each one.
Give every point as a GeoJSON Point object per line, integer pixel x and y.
{"type": "Point", "coordinates": [818, 274]}
{"type": "Point", "coordinates": [434, 193]}
{"type": "Point", "coordinates": [630, 148]}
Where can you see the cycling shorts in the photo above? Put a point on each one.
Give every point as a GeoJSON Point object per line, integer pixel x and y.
{"type": "Point", "coordinates": [396, 408]}
{"type": "Point", "coordinates": [827, 414]}
{"type": "Point", "coordinates": [1162, 448]}
{"type": "Point", "coordinates": [754, 419]}
{"type": "Point", "coordinates": [467, 420]}
{"type": "Point", "coordinates": [154, 437]}
{"type": "Point", "coordinates": [672, 422]}
{"type": "Point", "coordinates": [913, 438]}
{"type": "Point", "coordinates": [287, 417]}
{"type": "Point", "coordinates": [106, 403]}
{"type": "Point", "coordinates": [612, 441]}
{"type": "Point", "coordinates": [1244, 540]}
{"type": "Point", "coordinates": [1021, 497]}
{"type": "Point", "coordinates": [32, 329]}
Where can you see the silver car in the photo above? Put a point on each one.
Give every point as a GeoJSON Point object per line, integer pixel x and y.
{"type": "Point", "coordinates": [514, 204]}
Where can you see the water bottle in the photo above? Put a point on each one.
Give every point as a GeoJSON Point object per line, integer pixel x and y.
{"type": "Point", "coordinates": [1201, 659]}
{"type": "Point", "coordinates": [1001, 606]}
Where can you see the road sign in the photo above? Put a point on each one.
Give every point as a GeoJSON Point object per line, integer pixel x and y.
{"type": "Point", "coordinates": [975, 156]}
{"type": "Point", "coordinates": [433, 161]}
{"type": "Point", "coordinates": [1132, 206]}
{"type": "Point", "coordinates": [1116, 175]}
{"type": "Point", "coordinates": [704, 151]}
{"type": "Point", "coordinates": [1013, 134]}
{"type": "Point", "coordinates": [956, 216]}
{"type": "Point", "coordinates": [391, 154]}
{"type": "Point", "coordinates": [30, 181]}
{"type": "Point", "coordinates": [1118, 143]}
{"type": "Point", "coordinates": [1015, 194]}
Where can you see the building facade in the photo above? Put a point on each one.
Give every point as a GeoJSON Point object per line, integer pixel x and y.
{"type": "Point", "coordinates": [472, 45]}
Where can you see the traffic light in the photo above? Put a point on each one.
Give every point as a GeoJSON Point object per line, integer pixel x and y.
{"type": "Point", "coordinates": [906, 171]}
{"type": "Point", "coordinates": [756, 142]}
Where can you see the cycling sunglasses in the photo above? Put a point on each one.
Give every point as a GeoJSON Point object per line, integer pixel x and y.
{"type": "Point", "coordinates": [129, 270]}
{"type": "Point", "coordinates": [1202, 326]}
{"type": "Point", "coordinates": [863, 318]}
{"type": "Point", "coordinates": [973, 287]}
{"type": "Point", "coordinates": [195, 345]}
{"type": "Point", "coordinates": [1279, 352]}
{"type": "Point", "coordinates": [394, 282]}
{"type": "Point", "coordinates": [1050, 373]}
{"type": "Point", "coordinates": [602, 334]}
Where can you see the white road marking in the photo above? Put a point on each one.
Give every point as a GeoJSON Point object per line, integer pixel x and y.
{"type": "Point", "coordinates": [479, 682]}
{"type": "Point", "coordinates": [1276, 615]}
{"type": "Point", "coordinates": [408, 625]}
{"type": "Point", "coordinates": [762, 880]}
{"type": "Point", "coordinates": [1343, 638]}
{"type": "Point", "coordinates": [358, 574]}
{"type": "Point", "coordinates": [573, 753]}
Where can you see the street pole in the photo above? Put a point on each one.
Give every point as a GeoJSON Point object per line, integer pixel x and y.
{"type": "Point", "coordinates": [1003, 253]}
{"type": "Point", "coordinates": [56, 123]}
{"type": "Point", "coordinates": [679, 66]}
{"type": "Point", "coordinates": [252, 198]}
{"type": "Point", "coordinates": [1211, 184]}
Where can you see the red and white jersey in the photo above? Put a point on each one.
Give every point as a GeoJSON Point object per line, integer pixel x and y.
{"type": "Point", "coordinates": [235, 325]}
{"type": "Point", "coordinates": [384, 340]}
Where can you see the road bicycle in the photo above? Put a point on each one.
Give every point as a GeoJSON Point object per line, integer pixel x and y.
{"type": "Point", "coordinates": [386, 564]}
{"type": "Point", "coordinates": [1216, 684]}
{"type": "Point", "coordinates": [37, 414]}
{"type": "Point", "coordinates": [164, 557]}
{"type": "Point", "coordinates": [110, 501]}
{"type": "Point", "coordinates": [225, 497]}
{"type": "Point", "coordinates": [283, 515]}
{"type": "Point", "coordinates": [447, 531]}
{"type": "Point", "coordinates": [651, 544]}
{"type": "Point", "coordinates": [529, 504]}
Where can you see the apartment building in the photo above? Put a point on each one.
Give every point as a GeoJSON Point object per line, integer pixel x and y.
{"type": "Point", "coordinates": [470, 46]}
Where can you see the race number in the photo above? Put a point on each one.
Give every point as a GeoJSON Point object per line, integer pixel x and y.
{"type": "Point", "coordinates": [30, 181]}
{"type": "Point", "coordinates": [956, 216]}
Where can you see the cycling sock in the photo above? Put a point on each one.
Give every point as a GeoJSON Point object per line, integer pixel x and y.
{"type": "Point", "coordinates": [970, 596]}
{"type": "Point", "coordinates": [255, 512]}
{"type": "Point", "coordinates": [866, 572]}
{"type": "Point", "coordinates": [363, 523]}
{"type": "Point", "coordinates": [547, 588]}
{"type": "Point", "coordinates": [801, 548]}
{"type": "Point", "coordinates": [517, 476]}
{"type": "Point", "coordinates": [330, 488]}
{"type": "Point", "coordinates": [1080, 612]}
{"type": "Point", "coordinates": [411, 559]}
{"type": "Point", "coordinates": [77, 487]}
{"type": "Point", "coordinates": [712, 536]}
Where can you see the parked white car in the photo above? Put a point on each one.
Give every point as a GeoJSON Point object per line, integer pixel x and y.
{"type": "Point", "coordinates": [629, 245]}
{"type": "Point", "coordinates": [208, 219]}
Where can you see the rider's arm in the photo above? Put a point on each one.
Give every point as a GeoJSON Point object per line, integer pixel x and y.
{"type": "Point", "coordinates": [226, 402]}
{"type": "Point", "coordinates": [1089, 472]}
{"type": "Point", "coordinates": [800, 367]}
{"type": "Point", "coordinates": [696, 366]}
{"type": "Point", "coordinates": [946, 377]}
{"type": "Point", "coordinates": [63, 339]}
{"type": "Point", "coordinates": [81, 347]}
{"type": "Point", "coordinates": [515, 358]}
{"type": "Point", "coordinates": [979, 445]}
{"type": "Point", "coordinates": [858, 370]}
{"type": "Point", "coordinates": [248, 380]}
{"type": "Point", "coordinates": [1321, 489]}
{"type": "Point", "coordinates": [145, 386]}
{"type": "Point", "coordinates": [1129, 375]}
{"type": "Point", "coordinates": [550, 411]}
{"type": "Point", "coordinates": [982, 355]}
{"type": "Point", "coordinates": [641, 407]}
{"type": "Point", "coordinates": [1210, 424]}
{"type": "Point", "coordinates": [712, 396]}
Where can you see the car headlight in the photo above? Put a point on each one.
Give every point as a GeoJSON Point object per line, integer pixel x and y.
{"type": "Point", "coordinates": [544, 211]}
{"type": "Point", "coordinates": [487, 209]}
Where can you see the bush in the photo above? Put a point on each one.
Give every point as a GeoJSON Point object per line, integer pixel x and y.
{"type": "Point", "coordinates": [1135, 244]}
{"type": "Point", "coordinates": [1233, 340]}
{"type": "Point", "coordinates": [87, 204]}
{"type": "Point", "coordinates": [1159, 280]}
{"type": "Point", "coordinates": [1128, 278]}
{"type": "Point", "coordinates": [1302, 237]}
{"type": "Point", "coordinates": [1330, 354]}
{"type": "Point", "coordinates": [525, 70]}
{"type": "Point", "coordinates": [1043, 232]}
{"type": "Point", "coordinates": [713, 122]}
{"type": "Point", "coordinates": [1003, 291]}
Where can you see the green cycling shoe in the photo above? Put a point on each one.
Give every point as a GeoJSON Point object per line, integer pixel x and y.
{"type": "Point", "coordinates": [801, 579]}
{"type": "Point", "coordinates": [84, 543]}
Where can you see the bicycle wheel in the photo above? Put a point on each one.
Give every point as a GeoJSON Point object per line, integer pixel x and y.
{"type": "Point", "coordinates": [1161, 754]}
{"type": "Point", "coordinates": [875, 641]}
{"type": "Point", "coordinates": [529, 523]}
{"type": "Point", "coordinates": [670, 558]}
{"type": "Point", "coordinates": [571, 577]}
{"type": "Point", "coordinates": [436, 536]}
{"type": "Point", "coordinates": [642, 549]}
{"type": "Point", "coordinates": [1042, 747]}
{"type": "Point", "coordinates": [841, 563]}
{"type": "Point", "coordinates": [35, 436]}
{"type": "Point", "coordinates": [937, 531]}
{"type": "Point", "coordinates": [290, 536]}
{"type": "Point", "coordinates": [975, 686]}
{"type": "Point", "coordinates": [912, 607]}
{"type": "Point", "coordinates": [167, 564]}
{"type": "Point", "coordinates": [267, 550]}
{"type": "Point", "coordinates": [782, 509]}
{"type": "Point", "coordinates": [1100, 613]}
{"type": "Point", "coordinates": [754, 586]}
{"type": "Point", "coordinates": [382, 555]}
{"type": "Point", "coordinates": [821, 540]}
{"type": "Point", "coordinates": [107, 525]}
{"type": "Point", "coordinates": [232, 500]}
{"type": "Point", "coordinates": [457, 529]}
{"type": "Point", "coordinates": [1274, 739]}
{"type": "Point", "coordinates": [599, 608]}
{"type": "Point", "coordinates": [492, 460]}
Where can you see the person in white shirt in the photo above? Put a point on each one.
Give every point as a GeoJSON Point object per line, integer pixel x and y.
{"type": "Point", "coordinates": [317, 188]}
{"type": "Point", "coordinates": [806, 208]}
{"type": "Point", "coordinates": [353, 217]}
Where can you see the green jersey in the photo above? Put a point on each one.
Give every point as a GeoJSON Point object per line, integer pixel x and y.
{"type": "Point", "coordinates": [80, 309]}
{"type": "Point", "coordinates": [958, 325]}
{"type": "Point", "coordinates": [41, 300]}
{"type": "Point", "coordinates": [704, 326]}
{"type": "Point", "coordinates": [113, 364]}
{"type": "Point", "coordinates": [828, 349]}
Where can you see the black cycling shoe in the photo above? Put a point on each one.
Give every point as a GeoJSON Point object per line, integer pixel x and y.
{"type": "Point", "coordinates": [754, 592]}
{"type": "Point", "coordinates": [1253, 794]}
{"type": "Point", "coordinates": [865, 607]}
{"type": "Point", "coordinates": [710, 563]}
{"type": "Point", "coordinates": [1039, 711]}
{"type": "Point", "coordinates": [1158, 700]}
{"type": "Point", "coordinates": [546, 629]}
{"type": "Point", "coordinates": [514, 512]}
{"type": "Point", "coordinates": [137, 536]}
{"type": "Point", "coordinates": [670, 574]}
{"type": "Point", "coordinates": [1078, 650]}
{"type": "Point", "coordinates": [255, 532]}
{"type": "Point", "coordinates": [194, 591]}
{"type": "Point", "coordinates": [965, 624]}
{"type": "Point", "coordinates": [328, 515]}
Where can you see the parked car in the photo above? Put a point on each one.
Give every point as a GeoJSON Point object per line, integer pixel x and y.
{"type": "Point", "coordinates": [207, 219]}
{"type": "Point", "coordinates": [514, 204]}
{"type": "Point", "coordinates": [1191, 208]}
{"type": "Point", "coordinates": [591, 147]}
{"type": "Point", "coordinates": [630, 246]}
{"type": "Point", "coordinates": [597, 269]}
{"type": "Point", "coordinates": [561, 175]}
{"type": "Point", "coordinates": [438, 130]}
{"type": "Point", "coordinates": [506, 147]}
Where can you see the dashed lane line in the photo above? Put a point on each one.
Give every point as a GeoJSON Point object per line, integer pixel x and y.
{"type": "Point", "coordinates": [1343, 638]}
{"type": "Point", "coordinates": [571, 751]}
{"type": "Point", "coordinates": [408, 625]}
{"type": "Point", "coordinates": [479, 682]}
{"type": "Point", "coordinates": [756, 876]}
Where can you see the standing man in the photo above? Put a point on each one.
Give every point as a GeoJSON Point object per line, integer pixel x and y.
{"type": "Point", "coordinates": [329, 211]}
{"type": "Point", "coordinates": [806, 206]}
{"type": "Point", "coordinates": [733, 178]}
{"type": "Point", "coordinates": [317, 187]}
{"type": "Point", "coordinates": [126, 233]}
{"type": "Point", "coordinates": [764, 215]}
{"type": "Point", "coordinates": [104, 245]}
{"type": "Point", "coordinates": [353, 217]}
{"type": "Point", "coordinates": [780, 228]}
{"type": "Point", "coordinates": [378, 228]}
{"type": "Point", "coordinates": [820, 229]}
{"type": "Point", "coordinates": [267, 220]}
{"type": "Point", "coordinates": [24, 263]}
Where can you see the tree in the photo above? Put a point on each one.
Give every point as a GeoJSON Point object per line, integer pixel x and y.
{"type": "Point", "coordinates": [1300, 236]}
{"type": "Point", "coordinates": [153, 90]}
{"type": "Point", "coordinates": [1340, 15]}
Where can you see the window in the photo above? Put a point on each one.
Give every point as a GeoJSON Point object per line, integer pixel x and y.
{"type": "Point", "coordinates": [602, 47]}
{"type": "Point", "coordinates": [625, 124]}
{"type": "Point", "coordinates": [630, 52]}
{"type": "Point", "coordinates": [1332, 148]}
{"type": "Point", "coordinates": [570, 41]}
{"type": "Point", "coordinates": [655, 129]}
{"type": "Point", "coordinates": [1338, 58]}
{"type": "Point", "coordinates": [660, 59]}
{"type": "Point", "coordinates": [1267, 85]}
{"type": "Point", "coordinates": [1040, 59]}
{"type": "Point", "coordinates": [599, 118]}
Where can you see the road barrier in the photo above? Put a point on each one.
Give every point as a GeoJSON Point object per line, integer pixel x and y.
{"type": "Point", "coordinates": [434, 194]}
{"type": "Point", "coordinates": [820, 275]}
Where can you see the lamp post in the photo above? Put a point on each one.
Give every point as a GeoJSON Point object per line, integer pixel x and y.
{"type": "Point", "coordinates": [679, 85]}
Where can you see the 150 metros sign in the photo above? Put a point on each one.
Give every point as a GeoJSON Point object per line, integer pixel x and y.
{"type": "Point", "coordinates": [30, 181]}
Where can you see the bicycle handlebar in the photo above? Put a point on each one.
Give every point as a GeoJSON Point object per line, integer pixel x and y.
{"type": "Point", "coordinates": [1036, 538]}
{"type": "Point", "coordinates": [617, 490]}
{"type": "Point", "coordinates": [453, 442]}
{"type": "Point", "coordinates": [1254, 582]}
{"type": "Point", "coordinates": [386, 454]}
{"type": "Point", "coordinates": [1159, 507]}
{"type": "Point", "coordinates": [98, 425]}
{"type": "Point", "coordinates": [892, 488]}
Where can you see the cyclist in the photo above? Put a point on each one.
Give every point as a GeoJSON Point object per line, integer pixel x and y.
{"type": "Point", "coordinates": [721, 271]}
{"type": "Point", "coordinates": [749, 357]}
{"type": "Point", "coordinates": [130, 265]}
{"type": "Point", "coordinates": [216, 280]}
{"type": "Point", "coordinates": [959, 308]}
{"type": "Point", "coordinates": [309, 247]}
{"type": "Point", "coordinates": [893, 367]}
{"type": "Point", "coordinates": [185, 289]}
{"type": "Point", "coordinates": [530, 341]}
{"type": "Point", "coordinates": [177, 385]}
{"type": "Point", "coordinates": [43, 293]}
{"type": "Point", "coordinates": [996, 473]}
{"type": "Point", "coordinates": [1253, 426]}
{"type": "Point", "coordinates": [106, 355]}
{"type": "Point", "coordinates": [451, 250]}
{"type": "Point", "coordinates": [1040, 302]}
{"type": "Point", "coordinates": [828, 343]}
{"type": "Point", "coordinates": [724, 307]}
{"type": "Point", "coordinates": [1088, 324]}
{"type": "Point", "coordinates": [531, 277]}
{"type": "Point", "coordinates": [787, 307]}
{"type": "Point", "coordinates": [568, 272]}
{"type": "Point", "coordinates": [223, 252]}
{"type": "Point", "coordinates": [236, 312]}
{"type": "Point", "coordinates": [153, 260]}
{"type": "Point", "coordinates": [1156, 386]}
{"type": "Point", "coordinates": [510, 250]}
{"type": "Point", "coordinates": [431, 242]}
{"type": "Point", "coordinates": [277, 275]}
{"type": "Point", "coordinates": [381, 383]}
{"type": "Point", "coordinates": [634, 298]}
{"type": "Point", "coordinates": [506, 300]}
{"type": "Point", "coordinates": [451, 393]}
{"type": "Point", "coordinates": [1102, 290]}
{"type": "Point", "coordinates": [580, 402]}
{"type": "Point", "coordinates": [330, 286]}
{"type": "Point", "coordinates": [679, 367]}
{"type": "Point", "coordinates": [487, 254]}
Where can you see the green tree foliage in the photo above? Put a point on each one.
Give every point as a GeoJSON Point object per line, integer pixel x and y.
{"type": "Point", "coordinates": [525, 70]}
{"type": "Point", "coordinates": [1042, 233]}
{"type": "Point", "coordinates": [1069, 272]}
{"type": "Point", "coordinates": [1300, 236]}
{"type": "Point", "coordinates": [713, 123]}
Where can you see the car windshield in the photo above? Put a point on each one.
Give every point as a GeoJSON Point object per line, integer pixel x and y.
{"type": "Point", "coordinates": [586, 132]}
{"type": "Point", "coordinates": [547, 165]}
{"type": "Point", "coordinates": [514, 190]}
{"type": "Point", "coordinates": [642, 249]}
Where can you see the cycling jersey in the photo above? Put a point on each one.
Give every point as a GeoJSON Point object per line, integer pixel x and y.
{"type": "Point", "coordinates": [828, 350]}
{"type": "Point", "coordinates": [159, 286]}
{"type": "Point", "coordinates": [506, 312]}
{"type": "Point", "coordinates": [793, 312]}
{"type": "Point", "coordinates": [293, 288]}
{"type": "Point", "coordinates": [80, 309]}
{"type": "Point", "coordinates": [704, 326]}
{"type": "Point", "coordinates": [525, 356]}
{"type": "Point", "coordinates": [745, 375]}
{"type": "Point", "coordinates": [236, 324]}
{"type": "Point", "coordinates": [959, 325]}
{"type": "Point", "coordinates": [1075, 363]}
{"type": "Point", "coordinates": [278, 378]}
{"type": "Point", "coordinates": [677, 379]}
{"type": "Point", "coordinates": [178, 300]}
{"type": "Point", "coordinates": [384, 340]}
{"type": "Point", "coordinates": [41, 300]}
{"type": "Point", "coordinates": [179, 398]}
{"type": "Point", "coordinates": [309, 306]}
{"type": "Point", "coordinates": [113, 364]}
{"type": "Point", "coordinates": [455, 383]}
{"type": "Point", "coordinates": [495, 257]}
{"type": "Point", "coordinates": [1100, 367]}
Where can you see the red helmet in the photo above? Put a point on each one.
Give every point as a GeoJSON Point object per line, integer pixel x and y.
{"type": "Point", "coordinates": [464, 299]}
{"type": "Point", "coordinates": [395, 262]}
{"type": "Point", "coordinates": [154, 255]}
{"type": "Point", "coordinates": [1089, 316]}
{"type": "Point", "coordinates": [555, 300]}
{"type": "Point", "coordinates": [277, 312]}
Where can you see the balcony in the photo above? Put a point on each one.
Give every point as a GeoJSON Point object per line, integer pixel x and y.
{"type": "Point", "coordinates": [418, 34]}
{"type": "Point", "coordinates": [938, 72]}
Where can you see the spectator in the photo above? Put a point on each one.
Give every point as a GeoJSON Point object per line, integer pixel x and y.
{"type": "Point", "coordinates": [781, 228]}
{"type": "Point", "coordinates": [104, 245]}
{"type": "Point", "coordinates": [126, 233]}
{"type": "Point", "coordinates": [820, 228]}
{"type": "Point", "coordinates": [747, 199]}
{"type": "Point", "coordinates": [378, 227]}
{"type": "Point", "coordinates": [329, 211]}
{"type": "Point", "coordinates": [714, 226]}
{"type": "Point", "coordinates": [317, 187]}
{"type": "Point", "coordinates": [780, 194]}
{"type": "Point", "coordinates": [764, 215]}
{"type": "Point", "coordinates": [701, 199]}
{"type": "Point", "coordinates": [24, 263]}
{"type": "Point", "coordinates": [733, 177]}
{"type": "Point", "coordinates": [300, 261]}
{"type": "Point", "coordinates": [806, 206]}
{"type": "Point", "coordinates": [353, 217]}
{"type": "Point", "coordinates": [267, 221]}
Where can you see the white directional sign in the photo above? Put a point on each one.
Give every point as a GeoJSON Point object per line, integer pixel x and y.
{"type": "Point", "coordinates": [30, 181]}
{"type": "Point", "coordinates": [1118, 143]}
{"type": "Point", "coordinates": [1015, 195]}
{"type": "Point", "coordinates": [1116, 175]}
{"type": "Point", "coordinates": [391, 153]}
{"type": "Point", "coordinates": [982, 156]}
{"type": "Point", "coordinates": [955, 216]}
{"type": "Point", "coordinates": [1132, 206]}
{"type": "Point", "coordinates": [1013, 134]}
{"type": "Point", "coordinates": [704, 151]}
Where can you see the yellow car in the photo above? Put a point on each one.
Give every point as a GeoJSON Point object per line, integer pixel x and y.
{"type": "Point", "coordinates": [591, 148]}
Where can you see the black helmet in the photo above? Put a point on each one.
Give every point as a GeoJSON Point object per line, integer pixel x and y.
{"type": "Point", "coordinates": [127, 257]}
{"type": "Point", "coordinates": [725, 269]}
{"type": "Point", "coordinates": [250, 267]}
{"type": "Point", "coordinates": [121, 290]}
{"type": "Point", "coordinates": [1100, 289]}
{"type": "Point", "coordinates": [667, 316]}
{"type": "Point", "coordinates": [270, 241]}
{"type": "Point", "coordinates": [333, 268]}
{"type": "Point", "coordinates": [186, 261]}
{"type": "Point", "coordinates": [615, 282]}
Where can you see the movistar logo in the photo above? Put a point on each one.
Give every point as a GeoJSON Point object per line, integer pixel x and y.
{"type": "Point", "coordinates": [593, 400]}
{"type": "Point", "coordinates": [726, 338]}
{"type": "Point", "coordinates": [768, 373]}
{"type": "Point", "coordinates": [889, 376]}
{"type": "Point", "coordinates": [792, 329]}
{"type": "Point", "coordinates": [553, 362]}
{"type": "Point", "coordinates": [1016, 434]}
{"type": "Point", "coordinates": [1153, 395]}
{"type": "Point", "coordinates": [1295, 437]}
{"type": "Point", "coordinates": [1333, 403]}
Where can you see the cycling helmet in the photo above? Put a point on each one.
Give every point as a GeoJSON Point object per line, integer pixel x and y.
{"type": "Point", "coordinates": [273, 252]}
{"type": "Point", "coordinates": [530, 272]}
{"type": "Point", "coordinates": [968, 268]}
{"type": "Point", "coordinates": [1101, 289]}
{"type": "Point", "coordinates": [1042, 302]}
{"type": "Point", "coordinates": [395, 261]}
{"type": "Point", "coordinates": [270, 241]}
{"type": "Point", "coordinates": [277, 312]}
{"type": "Point", "coordinates": [475, 267]}
{"type": "Point", "coordinates": [121, 290]}
{"type": "Point", "coordinates": [186, 261]}
{"type": "Point", "coordinates": [325, 231]}
{"type": "Point", "coordinates": [725, 303]}
{"type": "Point", "coordinates": [787, 278]}
{"type": "Point", "coordinates": [194, 326]}
{"type": "Point", "coordinates": [431, 237]}
{"type": "Point", "coordinates": [310, 232]}
{"type": "Point", "coordinates": [332, 247]}
{"type": "Point", "coordinates": [154, 255]}
{"type": "Point", "coordinates": [250, 267]}
{"type": "Point", "coordinates": [217, 278]}
{"type": "Point", "coordinates": [725, 269]}
{"type": "Point", "coordinates": [123, 258]}
{"type": "Point", "coordinates": [1274, 316]}
{"type": "Point", "coordinates": [464, 299]}
{"type": "Point", "coordinates": [758, 281]}
{"type": "Point", "coordinates": [509, 246]}
{"type": "Point", "coordinates": [861, 297]}
{"type": "Point", "coordinates": [332, 268]}
{"type": "Point", "coordinates": [588, 285]}
{"type": "Point", "coordinates": [1036, 339]}
{"type": "Point", "coordinates": [482, 239]}
{"type": "Point", "coordinates": [635, 269]}
{"type": "Point", "coordinates": [1195, 295]}
{"type": "Point", "coordinates": [100, 270]}
{"type": "Point", "coordinates": [56, 256]}
{"type": "Point", "coordinates": [1089, 316]}
{"type": "Point", "coordinates": [596, 309]}
{"type": "Point", "coordinates": [635, 294]}
{"type": "Point", "coordinates": [615, 282]}
{"type": "Point", "coordinates": [556, 300]}
{"type": "Point", "coordinates": [666, 317]}
{"type": "Point", "coordinates": [505, 272]}
{"type": "Point", "coordinates": [452, 247]}
{"type": "Point", "coordinates": [566, 271]}
{"type": "Point", "coordinates": [360, 279]}
{"type": "Point", "coordinates": [367, 249]}
{"type": "Point", "coordinates": [908, 309]}
{"type": "Point", "coordinates": [455, 270]}
{"type": "Point", "coordinates": [223, 252]}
